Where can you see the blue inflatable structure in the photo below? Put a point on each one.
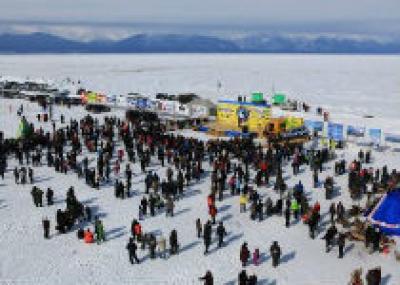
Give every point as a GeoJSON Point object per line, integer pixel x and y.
{"type": "Point", "coordinates": [386, 214]}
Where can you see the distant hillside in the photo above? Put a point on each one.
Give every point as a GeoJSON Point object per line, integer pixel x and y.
{"type": "Point", "coordinates": [173, 43]}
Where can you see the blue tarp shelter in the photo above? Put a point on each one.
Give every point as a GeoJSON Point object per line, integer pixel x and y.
{"type": "Point", "coordinates": [386, 214]}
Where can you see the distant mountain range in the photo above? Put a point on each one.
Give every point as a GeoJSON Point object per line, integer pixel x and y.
{"type": "Point", "coordinates": [176, 43]}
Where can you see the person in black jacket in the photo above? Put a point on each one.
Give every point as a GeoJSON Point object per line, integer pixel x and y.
{"type": "Point", "coordinates": [221, 232]}
{"type": "Point", "coordinates": [49, 196]}
{"type": "Point", "coordinates": [287, 217]}
{"type": "Point", "coordinates": [275, 252]}
{"type": "Point", "coordinates": [341, 244]}
{"type": "Point", "coordinates": [46, 227]}
{"type": "Point", "coordinates": [173, 241]}
{"type": "Point", "coordinates": [132, 247]}
{"type": "Point", "coordinates": [374, 276]}
{"type": "Point", "coordinates": [243, 277]}
{"type": "Point", "coordinates": [208, 278]}
{"type": "Point", "coordinates": [207, 236]}
{"type": "Point", "coordinates": [376, 238]}
{"type": "Point", "coordinates": [329, 236]}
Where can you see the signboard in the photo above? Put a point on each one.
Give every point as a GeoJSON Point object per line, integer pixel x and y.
{"type": "Point", "coordinates": [314, 125]}
{"type": "Point", "coordinates": [293, 122]}
{"type": "Point", "coordinates": [335, 132]}
{"type": "Point", "coordinates": [199, 111]}
{"type": "Point", "coordinates": [166, 106]}
{"type": "Point", "coordinates": [355, 131]}
{"type": "Point", "coordinates": [375, 135]}
{"type": "Point", "coordinates": [182, 109]}
{"type": "Point", "coordinates": [392, 138]}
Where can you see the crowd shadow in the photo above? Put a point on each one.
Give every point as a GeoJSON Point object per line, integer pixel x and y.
{"type": "Point", "coordinates": [265, 281]}
{"type": "Point", "coordinates": [189, 246]}
{"type": "Point", "coordinates": [226, 217]}
{"type": "Point", "coordinates": [115, 233]}
{"type": "Point", "coordinates": [89, 201]}
{"type": "Point", "coordinates": [224, 208]}
{"type": "Point", "coordinates": [181, 211]}
{"type": "Point", "coordinates": [287, 257]}
{"type": "Point", "coordinates": [191, 193]}
{"type": "Point", "coordinates": [264, 257]}
{"type": "Point", "coordinates": [231, 238]}
{"type": "Point", "coordinates": [348, 248]}
{"type": "Point", "coordinates": [41, 179]}
{"type": "Point", "coordinates": [385, 279]}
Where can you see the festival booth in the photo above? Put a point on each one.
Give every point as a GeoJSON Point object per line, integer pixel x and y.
{"type": "Point", "coordinates": [184, 105]}
{"type": "Point", "coordinates": [91, 97]}
{"type": "Point", "coordinates": [95, 102]}
{"type": "Point", "coordinates": [241, 117]}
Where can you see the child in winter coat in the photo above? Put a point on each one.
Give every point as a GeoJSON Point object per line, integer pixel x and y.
{"type": "Point", "coordinates": [256, 257]}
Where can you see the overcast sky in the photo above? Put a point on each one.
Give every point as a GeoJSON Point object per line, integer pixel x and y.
{"type": "Point", "coordinates": [118, 18]}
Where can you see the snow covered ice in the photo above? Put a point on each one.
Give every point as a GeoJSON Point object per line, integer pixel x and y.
{"type": "Point", "coordinates": [348, 86]}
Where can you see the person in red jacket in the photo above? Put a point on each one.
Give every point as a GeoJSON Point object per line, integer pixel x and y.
{"type": "Point", "coordinates": [317, 207]}
{"type": "Point", "coordinates": [213, 212]}
{"type": "Point", "coordinates": [88, 236]}
{"type": "Point", "coordinates": [138, 230]}
{"type": "Point", "coordinates": [210, 200]}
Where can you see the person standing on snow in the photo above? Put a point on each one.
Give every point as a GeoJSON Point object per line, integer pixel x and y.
{"type": "Point", "coordinates": [341, 244]}
{"type": "Point", "coordinates": [132, 247]}
{"type": "Point", "coordinates": [244, 254]}
{"type": "Point", "coordinates": [213, 213]}
{"type": "Point", "coordinates": [287, 217]}
{"type": "Point", "coordinates": [207, 236]}
{"type": "Point", "coordinates": [256, 257]}
{"type": "Point", "coordinates": [198, 227]}
{"type": "Point", "coordinates": [46, 227]}
{"type": "Point", "coordinates": [221, 232]}
{"type": "Point", "coordinates": [207, 278]}
{"type": "Point", "coordinates": [173, 241]}
{"type": "Point", "coordinates": [329, 236]}
{"type": "Point", "coordinates": [243, 277]}
{"type": "Point", "coordinates": [99, 230]}
{"type": "Point", "coordinates": [294, 206]}
{"type": "Point", "coordinates": [49, 196]}
{"type": "Point", "coordinates": [275, 252]}
{"type": "Point", "coordinates": [162, 246]}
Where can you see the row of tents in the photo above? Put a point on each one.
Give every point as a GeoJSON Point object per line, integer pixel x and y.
{"type": "Point", "coordinates": [339, 132]}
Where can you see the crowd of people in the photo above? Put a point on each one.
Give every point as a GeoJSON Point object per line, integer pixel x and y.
{"type": "Point", "coordinates": [239, 167]}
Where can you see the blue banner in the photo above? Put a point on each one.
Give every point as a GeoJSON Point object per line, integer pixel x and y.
{"type": "Point", "coordinates": [375, 135]}
{"type": "Point", "coordinates": [335, 132]}
{"type": "Point", "coordinates": [355, 131]}
{"type": "Point", "coordinates": [314, 125]}
{"type": "Point", "coordinates": [392, 138]}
